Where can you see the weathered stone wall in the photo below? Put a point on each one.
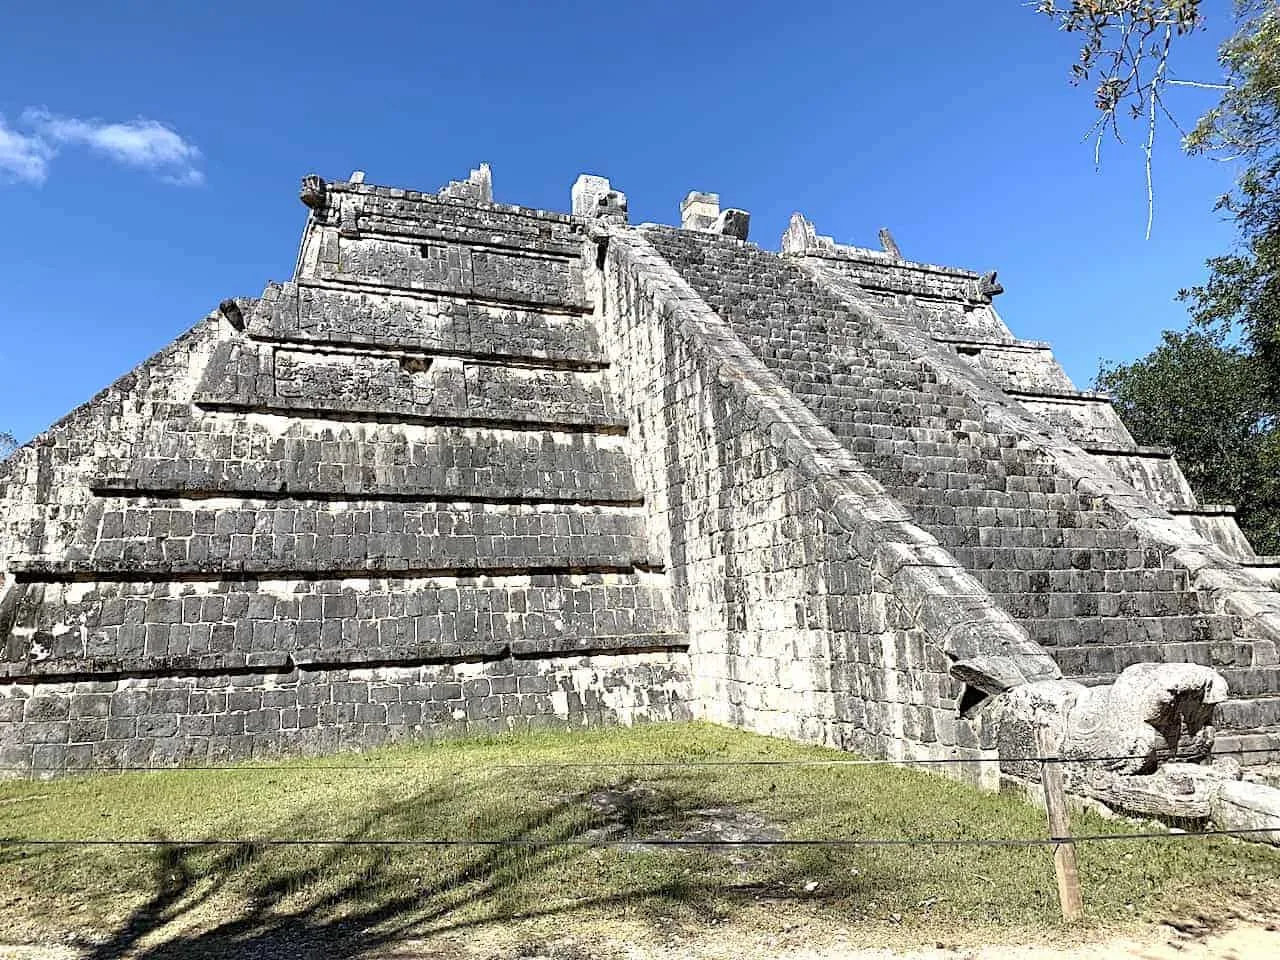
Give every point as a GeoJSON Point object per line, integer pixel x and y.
{"type": "Point", "coordinates": [814, 608]}
{"type": "Point", "coordinates": [203, 718]}
{"type": "Point", "coordinates": [478, 467]}
{"type": "Point", "coordinates": [309, 311]}
{"type": "Point", "coordinates": [392, 498]}
{"type": "Point", "coordinates": [44, 486]}
{"type": "Point", "coordinates": [1016, 365]}
{"type": "Point", "coordinates": [105, 628]}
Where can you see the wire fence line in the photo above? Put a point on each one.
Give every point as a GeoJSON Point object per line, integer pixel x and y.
{"type": "Point", "coordinates": [303, 766]}
{"type": "Point", "coordinates": [10, 842]}
{"type": "Point", "coordinates": [627, 843]}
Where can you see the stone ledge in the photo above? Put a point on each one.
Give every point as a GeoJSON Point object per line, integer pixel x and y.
{"type": "Point", "coordinates": [299, 339]}
{"type": "Point", "coordinates": [448, 204]}
{"type": "Point", "coordinates": [465, 290]}
{"type": "Point", "coordinates": [878, 258]}
{"type": "Point", "coordinates": [133, 487]}
{"type": "Point", "coordinates": [1061, 396]}
{"type": "Point", "coordinates": [72, 670]}
{"type": "Point", "coordinates": [1123, 450]}
{"type": "Point", "coordinates": [1204, 510]}
{"type": "Point", "coordinates": [342, 284]}
{"type": "Point", "coordinates": [1030, 346]}
{"type": "Point", "coordinates": [535, 248]}
{"type": "Point", "coordinates": [337, 410]}
{"type": "Point", "coordinates": [54, 570]}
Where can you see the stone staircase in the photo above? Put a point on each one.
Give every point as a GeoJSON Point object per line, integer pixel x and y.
{"type": "Point", "coordinates": [478, 467]}
{"type": "Point", "coordinates": [1090, 590]}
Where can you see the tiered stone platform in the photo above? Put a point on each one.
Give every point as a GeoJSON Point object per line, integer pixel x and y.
{"type": "Point", "coordinates": [477, 467]}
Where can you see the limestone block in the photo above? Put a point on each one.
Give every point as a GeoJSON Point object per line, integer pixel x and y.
{"type": "Point", "coordinates": [699, 211]}
{"type": "Point", "coordinates": [477, 188]}
{"type": "Point", "coordinates": [1238, 805]}
{"type": "Point", "coordinates": [594, 198]}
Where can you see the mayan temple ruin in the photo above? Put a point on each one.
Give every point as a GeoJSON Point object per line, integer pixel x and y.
{"type": "Point", "coordinates": [479, 467]}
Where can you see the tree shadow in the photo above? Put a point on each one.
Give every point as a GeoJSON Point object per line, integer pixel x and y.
{"type": "Point", "coordinates": [352, 899]}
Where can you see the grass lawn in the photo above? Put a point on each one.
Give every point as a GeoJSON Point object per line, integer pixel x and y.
{"type": "Point", "coordinates": [181, 899]}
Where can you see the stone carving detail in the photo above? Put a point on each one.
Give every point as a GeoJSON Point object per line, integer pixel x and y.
{"type": "Point", "coordinates": [314, 191]}
{"type": "Point", "coordinates": [1141, 745]}
{"type": "Point", "coordinates": [1152, 712]}
{"type": "Point", "coordinates": [477, 188]}
{"type": "Point", "coordinates": [732, 223]}
{"type": "Point", "coordinates": [231, 311]}
{"type": "Point", "coordinates": [701, 211]}
{"type": "Point", "coordinates": [594, 198]}
{"type": "Point", "coordinates": [985, 288]}
{"type": "Point", "coordinates": [801, 237]}
{"type": "Point", "coordinates": [889, 244]}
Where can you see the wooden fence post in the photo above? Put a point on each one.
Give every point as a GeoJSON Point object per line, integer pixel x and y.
{"type": "Point", "coordinates": [1064, 851]}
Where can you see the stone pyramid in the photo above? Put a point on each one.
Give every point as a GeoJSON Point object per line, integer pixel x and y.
{"type": "Point", "coordinates": [479, 467]}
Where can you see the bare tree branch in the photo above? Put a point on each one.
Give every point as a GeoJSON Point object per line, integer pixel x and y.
{"type": "Point", "coordinates": [1196, 83]}
{"type": "Point", "coordinates": [1125, 46]}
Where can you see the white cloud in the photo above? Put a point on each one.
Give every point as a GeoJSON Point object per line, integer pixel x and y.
{"type": "Point", "coordinates": [188, 178]}
{"type": "Point", "coordinates": [142, 144]}
{"type": "Point", "coordinates": [23, 158]}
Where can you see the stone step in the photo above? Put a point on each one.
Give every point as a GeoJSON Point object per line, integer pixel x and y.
{"type": "Point", "coordinates": [1053, 632]}
{"type": "Point", "coordinates": [1053, 538]}
{"type": "Point", "coordinates": [1245, 682]}
{"type": "Point", "coordinates": [961, 507]}
{"type": "Point", "coordinates": [1249, 713]}
{"type": "Point", "coordinates": [927, 438]}
{"type": "Point", "coordinates": [997, 485]}
{"type": "Point", "coordinates": [940, 516]}
{"type": "Point", "coordinates": [1111, 660]}
{"type": "Point", "coordinates": [1144, 580]}
{"type": "Point", "coordinates": [1252, 747]}
{"type": "Point", "coordinates": [978, 498]}
{"type": "Point", "coordinates": [974, 490]}
{"type": "Point", "coordinates": [1039, 559]}
{"type": "Point", "coordinates": [1063, 604]}
{"type": "Point", "coordinates": [863, 439]}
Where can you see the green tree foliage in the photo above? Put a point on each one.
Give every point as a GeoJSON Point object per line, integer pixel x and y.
{"type": "Point", "coordinates": [1213, 392]}
{"type": "Point", "coordinates": [1210, 402]}
{"type": "Point", "coordinates": [1242, 294]}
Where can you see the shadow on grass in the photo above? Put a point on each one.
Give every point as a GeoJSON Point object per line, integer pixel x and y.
{"type": "Point", "coordinates": [342, 901]}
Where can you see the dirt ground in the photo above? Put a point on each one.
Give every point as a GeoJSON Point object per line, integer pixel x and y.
{"type": "Point", "coordinates": [1244, 935]}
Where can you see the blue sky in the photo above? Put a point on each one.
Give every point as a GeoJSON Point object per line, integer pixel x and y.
{"type": "Point", "coordinates": [150, 154]}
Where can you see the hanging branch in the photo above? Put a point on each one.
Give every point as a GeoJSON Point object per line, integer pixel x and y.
{"type": "Point", "coordinates": [1125, 48]}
